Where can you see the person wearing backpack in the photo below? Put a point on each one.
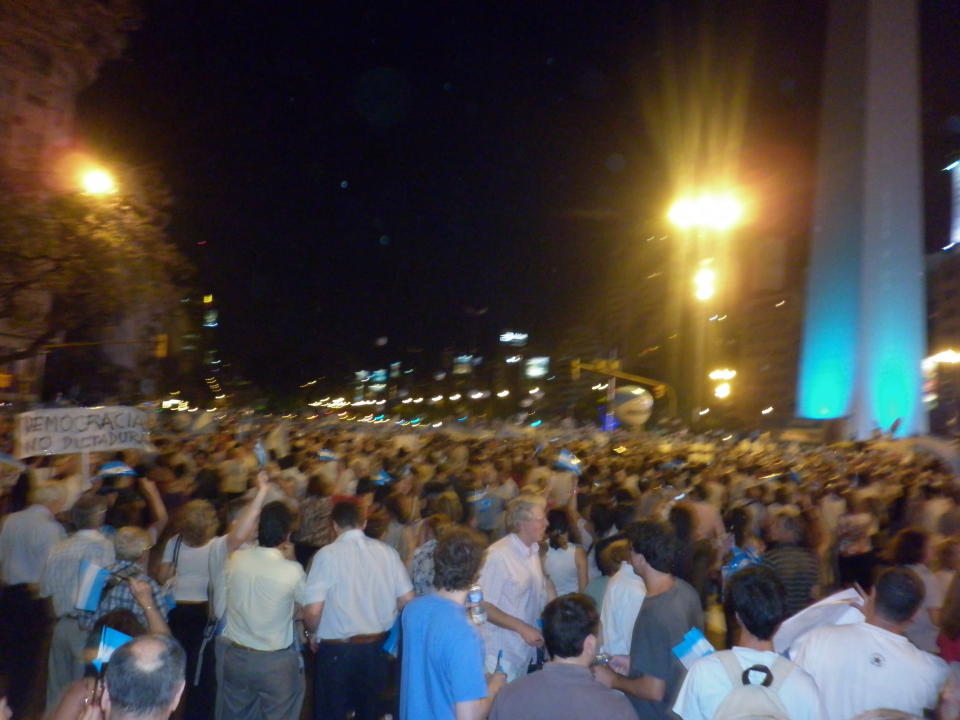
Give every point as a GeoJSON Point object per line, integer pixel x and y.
{"type": "Point", "coordinates": [750, 681]}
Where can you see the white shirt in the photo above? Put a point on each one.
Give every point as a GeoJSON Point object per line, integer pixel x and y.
{"type": "Point", "coordinates": [561, 567]}
{"type": "Point", "coordinates": [358, 580]}
{"type": "Point", "coordinates": [262, 588]}
{"type": "Point", "coordinates": [61, 573]}
{"type": "Point", "coordinates": [512, 579]}
{"type": "Point", "coordinates": [192, 570]}
{"type": "Point", "coordinates": [863, 667]}
{"type": "Point", "coordinates": [707, 684]}
{"type": "Point", "coordinates": [26, 539]}
{"type": "Point", "coordinates": [618, 613]}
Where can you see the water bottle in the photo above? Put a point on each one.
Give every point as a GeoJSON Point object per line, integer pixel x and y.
{"type": "Point", "coordinates": [477, 610]}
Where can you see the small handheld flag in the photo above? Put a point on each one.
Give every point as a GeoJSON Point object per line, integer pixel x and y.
{"type": "Point", "coordinates": [110, 641]}
{"type": "Point", "coordinates": [693, 647]}
{"type": "Point", "coordinates": [92, 580]}
{"type": "Point", "coordinates": [260, 452]}
{"type": "Point", "coordinates": [566, 460]}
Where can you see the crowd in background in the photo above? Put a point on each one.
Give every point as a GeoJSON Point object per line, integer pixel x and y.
{"type": "Point", "coordinates": [328, 570]}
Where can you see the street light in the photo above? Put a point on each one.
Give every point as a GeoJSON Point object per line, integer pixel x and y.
{"type": "Point", "coordinates": [708, 211]}
{"type": "Point", "coordinates": [704, 284]}
{"type": "Point", "coordinates": [97, 181]}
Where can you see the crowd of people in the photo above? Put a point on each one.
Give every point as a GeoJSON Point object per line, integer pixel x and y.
{"type": "Point", "coordinates": [340, 571]}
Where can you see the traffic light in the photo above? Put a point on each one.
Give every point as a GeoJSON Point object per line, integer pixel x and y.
{"type": "Point", "coordinates": [160, 347]}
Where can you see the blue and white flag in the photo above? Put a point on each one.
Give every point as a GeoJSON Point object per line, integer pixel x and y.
{"type": "Point", "coordinates": [260, 452]}
{"type": "Point", "coordinates": [383, 478]}
{"type": "Point", "coordinates": [90, 585]}
{"type": "Point", "coordinates": [566, 460]}
{"type": "Point", "coordinates": [693, 647]}
{"type": "Point", "coordinates": [115, 468]}
{"type": "Point", "coordinates": [327, 456]}
{"type": "Point", "coordinates": [110, 641]}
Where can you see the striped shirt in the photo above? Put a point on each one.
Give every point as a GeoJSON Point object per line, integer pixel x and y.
{"type": "Point", "coordinates": [62, 570]}
{"type": "Point", "coordinates": [798, 570]}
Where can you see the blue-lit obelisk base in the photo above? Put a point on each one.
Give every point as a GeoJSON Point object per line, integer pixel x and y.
{"type": "Point", "coordinates": [865, 321]}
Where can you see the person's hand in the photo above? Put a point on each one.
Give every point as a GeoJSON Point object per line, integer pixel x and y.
{"type": "Point", "coordinates": [141, 591]}
{"type": "Point", "coordinates": [531, 636]}
{"type": "Point", "coordinates": [146, 484]}
{"type": "Point", "coordinates": [5, 712]}
{"type": "Point", "coordinates": [495, 682]}
{"type": "Point", "coordinates": [620, 664]}
{"type": "Point", "coordinates": [263, 480]}
{"type": "Point", "coordinates": [603, 675]}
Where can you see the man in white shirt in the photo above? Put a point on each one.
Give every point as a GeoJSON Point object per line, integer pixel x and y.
{"type": "Point", "coordinates": [871, 665]}
{"type": "Point", "coordinates": [355, 589]}
{"type": "Point", "coordinates": [262, 667]}
{"type": "Point", "coordinates": [26, 539]}
{"type": "Point", "coordinates": [622, 601]}
{"type": "Point", "coordinates": [59, 581]}
{"type": "Point", "coordinates": [515, 589]}
{"type": "Point", "coordinates": [242, 517]}
{"type": "Point", "coordinates": [757, 598]}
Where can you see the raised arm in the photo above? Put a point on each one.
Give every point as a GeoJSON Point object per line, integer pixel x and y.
{"type": "Point", "coordinates": [246, 524]}
{"type": "Point", "coordinates": [143, 594]}
{"type": "Point", "coordinates": [157, 509]}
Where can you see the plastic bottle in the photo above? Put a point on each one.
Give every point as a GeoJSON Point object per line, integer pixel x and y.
{"type": "Point", "coordinates": [477, 610]}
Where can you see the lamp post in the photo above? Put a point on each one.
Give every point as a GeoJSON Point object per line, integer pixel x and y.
{"type": "Point", "coordinates": [97, 181]}
{"type": "Point", "coordinates": [702, 218]}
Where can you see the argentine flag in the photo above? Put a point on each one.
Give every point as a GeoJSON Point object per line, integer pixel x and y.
{"type": "Point", "coordinates": [566, 460]}
{"type": "Point", "coordinates": [110, 641]}
{"type": "Point", "coordinates": [327, 456]}
{"type": "Point", "coordinates": [90, 586]}
{"type": "Point", "coordinates": [693, 647]}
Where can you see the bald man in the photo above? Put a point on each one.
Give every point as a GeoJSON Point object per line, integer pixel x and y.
{"type": "Point", "coordinates": [144, 679]}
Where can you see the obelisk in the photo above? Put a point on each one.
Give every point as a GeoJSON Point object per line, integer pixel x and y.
{"type": "Point", "coordinates": [865, 320]}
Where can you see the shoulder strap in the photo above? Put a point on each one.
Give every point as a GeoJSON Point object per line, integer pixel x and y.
{"type": "Point", "coordinates": [780, 669]}
{"type": "Point", "coordinates": [176, 551]}
{"type": "Point", "coordinates": [732, 666]}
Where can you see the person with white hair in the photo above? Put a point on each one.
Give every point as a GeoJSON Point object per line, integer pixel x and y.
{"type": "Point", "coordinates": [132, 546]}
{"type": "Point", "coordinates": [515, 589]}
{"type": "Point", "coordinates": [26, 539]}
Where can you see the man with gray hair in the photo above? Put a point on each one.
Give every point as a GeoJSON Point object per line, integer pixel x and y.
{"type": "Point", "coordinates": [25, 541]}
{"type": "Point", "coordinates": [144, 679]}
{"type": "Point", "coordinates": [59, 582]}
{"type": "Point", "coordinates": [515, 589]}
{"type": "Point", "coordinates": [132, 546]}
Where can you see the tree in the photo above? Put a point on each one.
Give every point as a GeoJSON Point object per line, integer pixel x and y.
{"type": "Point", "coordinates": [76, 261]}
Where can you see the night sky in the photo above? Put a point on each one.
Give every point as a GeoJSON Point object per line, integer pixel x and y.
{"type": "Point", "coordinates": [350, 171]}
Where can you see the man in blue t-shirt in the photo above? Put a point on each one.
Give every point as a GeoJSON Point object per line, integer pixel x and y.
{"type": "Point", "coordinates": [442, 654]}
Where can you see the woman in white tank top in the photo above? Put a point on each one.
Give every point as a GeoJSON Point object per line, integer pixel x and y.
{"type": "Point", "coordinates": [565, 563]}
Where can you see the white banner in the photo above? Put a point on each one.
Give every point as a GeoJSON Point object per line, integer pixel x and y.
{"type": "Point", "coordinates": [60, 431]}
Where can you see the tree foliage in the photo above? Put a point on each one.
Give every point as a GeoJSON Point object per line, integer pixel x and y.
{"type": "Point", "coordinates": [72, 261]}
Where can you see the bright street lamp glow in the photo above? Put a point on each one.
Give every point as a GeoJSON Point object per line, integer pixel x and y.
{"type": "Point", "coordinates": [503, 393]}
{"type": "Point", "coordinates": [711, 211]}
{"type": "Point", "coordinates": [704, 283]}
{"type": "Point", "coordinates": [766, 411]}
{"type": "Point", "coordinates": [455, 397]}
{"type": "Point", "coordinates": [96, 181]}
{"type": "Point", "coordinates": [722, 390]}
{"type": "Point", "coordinates": [534, 391]}
{"type": "Point", "coordinates": [723, 374]}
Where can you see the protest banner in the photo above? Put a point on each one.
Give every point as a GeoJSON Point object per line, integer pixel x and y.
{"type": "Point", "coordinates": [60, 431]}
